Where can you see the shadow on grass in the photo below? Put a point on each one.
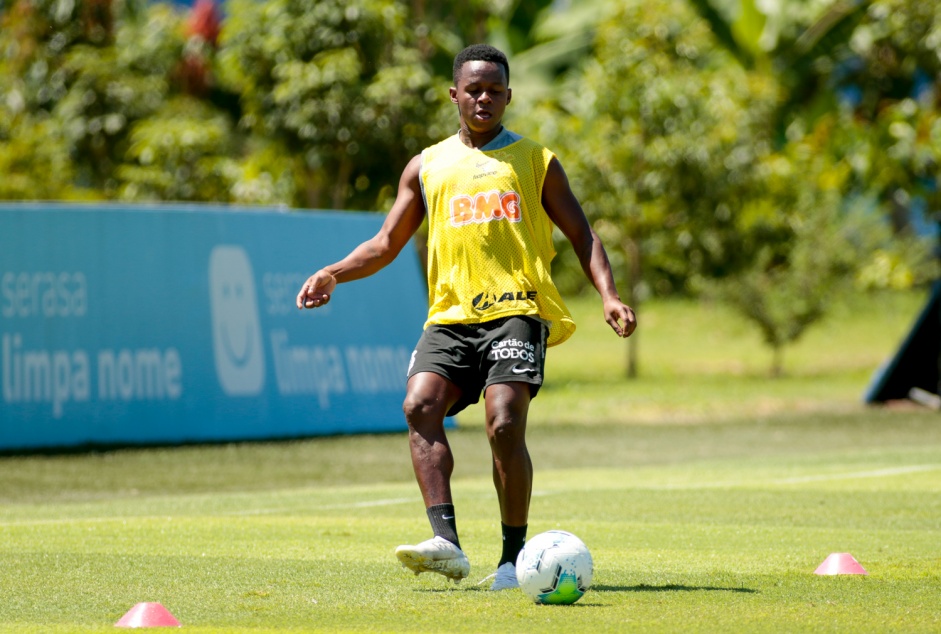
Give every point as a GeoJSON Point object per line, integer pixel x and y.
{"type": "Point", "coordinates": [454, 588]}
{"type": "Point", "coordinates": [673, 587]}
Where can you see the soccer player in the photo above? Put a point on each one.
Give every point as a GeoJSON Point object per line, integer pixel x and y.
{"type": "Point", "coordinates": [491, 198]}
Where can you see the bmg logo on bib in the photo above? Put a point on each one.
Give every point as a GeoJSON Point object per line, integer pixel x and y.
{"type": "Point", "coordinates": [236, 329]}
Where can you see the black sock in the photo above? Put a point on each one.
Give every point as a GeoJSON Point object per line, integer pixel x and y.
{"type": "Point", "coordinates": [443, 523]}
{"type": "Point", "coordinates": [513, 539]}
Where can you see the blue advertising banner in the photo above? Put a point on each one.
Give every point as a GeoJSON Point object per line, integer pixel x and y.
{"type": "Point", "coordinates": [143, 325]}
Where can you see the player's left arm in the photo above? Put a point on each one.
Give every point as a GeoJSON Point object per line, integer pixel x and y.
{"type": "Point", "coordinates": [564, 210]}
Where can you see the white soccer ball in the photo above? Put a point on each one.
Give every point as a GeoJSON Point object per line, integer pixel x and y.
{"type": "Point", "coordinates": [554, 567]}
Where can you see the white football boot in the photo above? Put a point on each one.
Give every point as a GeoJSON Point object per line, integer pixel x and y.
{"type": "Point", "coordinates": [504, 578]}
{"type": "Point", "coordinates": [435, 555]}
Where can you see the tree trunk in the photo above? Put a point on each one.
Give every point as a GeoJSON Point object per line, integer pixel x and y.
{"type": "Point", "coordinates": [341, 187]}
{"type": "Point", "coordinates": [632, 256]}
{"type": "Point", "coordinates": [777, 361]}
{"type": "Point", "coordinates": [313, 189]}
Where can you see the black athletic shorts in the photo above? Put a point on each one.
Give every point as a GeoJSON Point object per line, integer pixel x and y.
{"type": "Point", "coordinates": [475, 356]}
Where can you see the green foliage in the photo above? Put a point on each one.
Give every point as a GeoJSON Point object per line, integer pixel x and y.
{"type": "Point", "coordinates": [675, 147]}
{"type": "Point", "coordinates": [803, 244]}
{"type": "Point", "coordinates": [790, 286]}
{"type": "Point", "coordinates": [33, 160]}
{"type": "Point", "coordinates": [661, 143]}
{"type": "Point", "coordinates": [898, 51]}
{"type": "Point", "coordinates": [92, 71]}
{"type": "Point", "coordinates": [181, 152]}
{"type": "Point", "coordinates": [342, 85]}
{"type": "Point", "coordinates": [267, 175]}
{"type": "Point", "coordinates": [100, 101]}
{"type": "Point", "coordinates": [873, 66]}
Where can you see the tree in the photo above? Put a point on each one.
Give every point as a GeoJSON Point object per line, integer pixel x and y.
{"type": "Point", "coordinates": [188, 147]}
{"type": "Point", "coordinates": [34, 160]}
{"type": "Point", "coordinates": [340, 86]}
{"type": "Point", "coordinates": [853, 133]}
{"type": "Point", "coordinates": [803, 243]}
{"type": "Point", "coordinates": [875, 63]}
{"type": "Point", "coordinates": [98, 101]}
{"type": "Point", "coordinates": [659, 143]}
{"type": "Point", "coordinates": [35, 157]}
{"type": "Point", "coordinates": [890, 82]}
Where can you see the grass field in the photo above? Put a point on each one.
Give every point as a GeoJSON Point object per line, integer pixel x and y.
{"type": "Point", "coordinates": [707, 493]}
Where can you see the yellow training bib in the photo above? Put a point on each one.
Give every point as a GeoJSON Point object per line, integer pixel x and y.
{"type": "Point", "coordinates": [489, 238]}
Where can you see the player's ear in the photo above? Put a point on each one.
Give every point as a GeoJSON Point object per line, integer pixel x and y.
{"type": "Point", "coordinates": [453, 92]}
{"type": "Point", "coordinates": [509, 94]}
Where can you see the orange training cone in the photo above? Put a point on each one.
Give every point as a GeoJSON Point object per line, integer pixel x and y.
{"type": "Point", "coordinates": [148, 615]}
{"type": "Point", "coordinates": [840, 564]}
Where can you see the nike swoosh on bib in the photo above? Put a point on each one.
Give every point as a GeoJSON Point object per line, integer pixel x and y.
{"type": "Point", "coordinates": [518, 370]}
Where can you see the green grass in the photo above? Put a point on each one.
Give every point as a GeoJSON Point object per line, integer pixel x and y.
{"type": "Point", "coordinates": [707, 494]}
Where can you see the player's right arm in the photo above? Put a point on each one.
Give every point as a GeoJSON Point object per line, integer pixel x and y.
{"type": "Point", "coordinates": [403, 220]}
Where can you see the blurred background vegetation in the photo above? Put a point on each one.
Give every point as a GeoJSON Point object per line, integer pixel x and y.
{"type": "Point", "coordinates": [769, 154]}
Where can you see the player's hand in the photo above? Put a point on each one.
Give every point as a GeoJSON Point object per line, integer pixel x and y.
{"type": "Point", "coordinates": [620, 317]}
{"type": "Point", "coordinates": [316, 290]}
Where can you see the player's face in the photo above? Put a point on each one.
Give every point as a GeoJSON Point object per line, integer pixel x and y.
{"type": "Point", "coordinates": [481, 96]}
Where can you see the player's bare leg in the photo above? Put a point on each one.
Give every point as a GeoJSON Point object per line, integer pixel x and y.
{"type": "Point", "coordinates": [427, 401]}
{"type": "Point", "coordinates": [507, 406]}
{"type": "Point", "coordinates": [507, 409]}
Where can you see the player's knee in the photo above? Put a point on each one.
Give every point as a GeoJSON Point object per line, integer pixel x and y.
{"type": "Point", "coordinates": [506, 431]}
{"type": "Point", "coordinates": [419, 409]}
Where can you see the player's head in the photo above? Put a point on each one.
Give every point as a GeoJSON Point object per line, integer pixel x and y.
{"type": "Point", "coordinates": [481, 88]}
{"type": "Point", "coordinates": [480, 53]}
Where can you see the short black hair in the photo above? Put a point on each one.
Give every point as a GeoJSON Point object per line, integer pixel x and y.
{"type": "Point", "coordinates": [480, 53]}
